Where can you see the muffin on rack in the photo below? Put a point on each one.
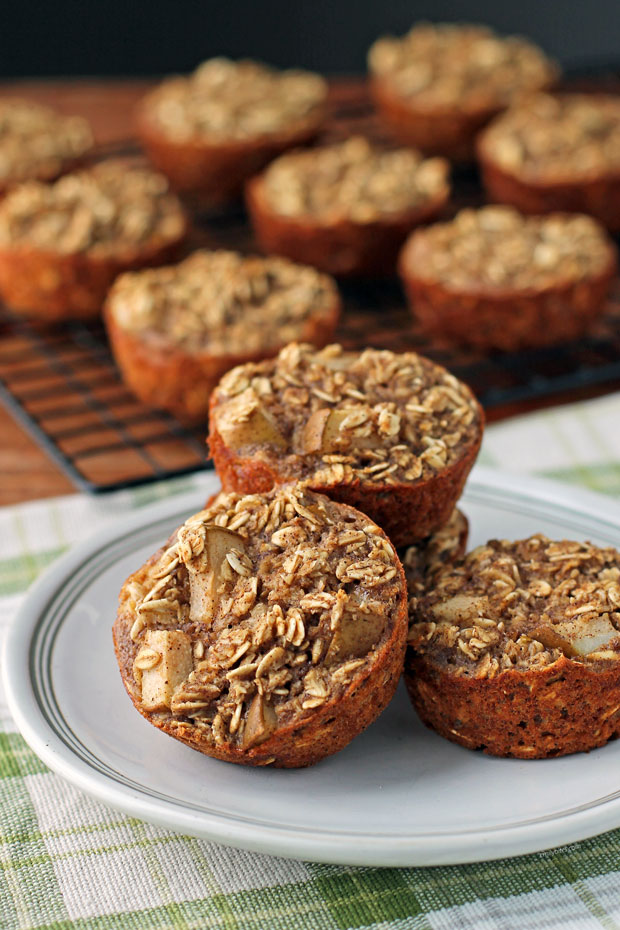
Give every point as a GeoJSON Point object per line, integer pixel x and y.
{"type": "Point", "coordinates": [392, 434]}
{"type": "Point", "coordinates": [495, 279]}
{"type": "Point", "coordinates": [556, 153]}
{"type": "Point", "coordinates": [345, 208]}
{"type": "Point", "coordinates": [63, 244]}
{"type": "Point", "coordinates": [175, 331]}
{"type": "Point", "coordinates": [210, 131]}
{"type": "Point", "coordinates": [440, 83]}
{"type": "Point", "coordinates": [516, 649]}
{"type": "Point", "coordinates": [269, 630]}
{"type": "Point", "coordinates": [37, 143]}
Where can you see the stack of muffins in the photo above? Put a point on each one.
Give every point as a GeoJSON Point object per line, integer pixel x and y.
{"type": "Point", "coordinates": [273, 626]}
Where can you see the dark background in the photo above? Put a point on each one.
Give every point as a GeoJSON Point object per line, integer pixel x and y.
{"type": "Point", "coordinates": [146, 37]}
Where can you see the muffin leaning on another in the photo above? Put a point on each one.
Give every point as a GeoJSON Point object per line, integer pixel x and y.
{"type": "Point", "coordinates": [212, 130]}
{"type": "Point", "coordinates": [175, 331]}
{"type": "Point", "coordinates": [63, 244]}
{"type": "Point", "coordinates": [345, 208]}
{"type": "Point", "coordinates": [425, 560]}
{"type": "Point", "coordinates": [438, 85]}
{"type": "Point", "coordinates": [494, 279]}
{"type": "Point", "coordinates": [270, 630]}
{"type": "Point", "coordinates": [36, 143]}
{"type": "Point", "coordinates": [556, 153]}
{"type": "Point", "coordinates": [394, 435]}
{"type": "Point", "coordinates": [516, 649]}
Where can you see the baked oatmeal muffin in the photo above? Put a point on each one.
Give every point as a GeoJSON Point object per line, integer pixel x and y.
{"type": "Point", "coordinates": [516, 650]}
{"type": "Point", "coordinates": [175, 331]}
{"type": "Point", "coordinates": [36, 143]}
{"type": "Point", "coordinates": [210, 131]}
{"type": "Point", "coordinates": [392, 434]}
{"type": "Point", "coordinates": [345, 208]}
{"type": "Point", "coordinates": [425, 560]}
{"type": "Point", "coordinates": [556, 153]}
{"type": "Point", "coordinates": [63, 244]}
{"type": "Point", "coordinates": [438, 85]}
{"type": "Point", "coordinates": [270, 629]}
{"type": "Point", "coordinates": [495, 279]}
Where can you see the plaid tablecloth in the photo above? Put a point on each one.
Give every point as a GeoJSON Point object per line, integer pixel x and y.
{"type": "Point", "coordinates": [67, 861]}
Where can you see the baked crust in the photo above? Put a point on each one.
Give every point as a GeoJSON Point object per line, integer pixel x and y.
{"type": "Point", "coordinates": [357, 690]}
{"type": "Point", "coordinates": [554, 711]}
{"type": "Point", "coordinates": [342, 246]}
{"type": "Point", "coordinates": [530, 669]}
{"type": "Point", "coordinates": [437, 86]}
{"type": "Point", "coordinates": [343, 249]}
{"type": "Point", "coordinates": [37, 143]}
{"type": "Point", "coordinates": [211, 174]}
{"type": "Point", "coordinates": [55, 287]}
{"type": "Point", "coordinates": [53, 283]}
{"type": "Point", "coordinates": [408, 509]}
{"type": "Point", "coordinates": [448, 131]}
{"type": "Point", "coordinates": [505, 316]}
{"type": "Point", "coordinates": [180, 379]}
{"type": "Point", "coordinates": [214, 154]}
{"type": "Point", "coordinates": [599, 197]}
{"type": "Point", "coordinates": [595, 190]}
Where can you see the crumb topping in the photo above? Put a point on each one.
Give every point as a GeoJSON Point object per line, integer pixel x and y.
{"type": "Point", "coordinates": [226, 99]}
{"type": "Point", "coordinates": [471, 67]}
{"type": "Point", "coordinates": [497, 247]}
{"type": "Point", "coordinates": [353, 180]}
{"type": "Point", "coordinates": [572, 137]}
{"type": "Point", "coordinates": [521, 606]}
{"type": "Point", "coordinates": [222, 301]}
{"type": "Point", "coordinates": [263, 608]}
{"type": "Point", "coordinates": [36, 142]}
{"type": "Point", "coordinates": [332, 416]}
{"type": "Point", "coordinates": [110, 207]}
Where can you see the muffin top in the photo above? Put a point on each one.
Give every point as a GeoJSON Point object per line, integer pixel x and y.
{"type": "Point", "coordinates": [521, 605]}
{"type": "Point", "coordinates": [354, 181]}
{"type": "Point", "coordinates": [332, 416]}
{"type": "Point", "coordinates": [238, 100]}
{"type": "Point", "coordinates": [572, 137]}
{"type": "Point", "coordinates": [497, 247]}
{"type": "Point", "coordinates": [261, 609]}
{"type": "Point", "coordinates": [469, 67]}
{"type": "Point", "coordinates": [38, 143]}
{"type": "Point", "coordinates": [110, 208]}
{"type": "Point", "coordinates": [223, 302]}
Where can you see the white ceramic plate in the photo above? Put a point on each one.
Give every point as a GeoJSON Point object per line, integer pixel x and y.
{"type": "Point", "coordinates": [398, 795]}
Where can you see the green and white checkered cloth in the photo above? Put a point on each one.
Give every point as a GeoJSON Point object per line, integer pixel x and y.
{"type": "Point", "coordinates": [67, 861]}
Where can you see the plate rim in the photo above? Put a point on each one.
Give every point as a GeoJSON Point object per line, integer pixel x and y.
{"type": "Point", "coordinates": [345, 848]}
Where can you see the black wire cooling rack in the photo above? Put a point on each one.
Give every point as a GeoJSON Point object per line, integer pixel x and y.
{"type": "Point", "coordinates": [61, 384]}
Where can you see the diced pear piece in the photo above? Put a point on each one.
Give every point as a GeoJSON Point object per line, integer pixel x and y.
{"type": "Point", "coordinates": [322, 433]}
{"type": "Point", "coordinates": [174, 666]}
{"type": "Point", "coordinates": [244, 421]}
{"type": "Point", "coordinates": [338, 362]}
{"type": "Point", "coordinates": [205, 572]}
{"type": "Point", "coordinates": [461, 607]}
{"type": "Point", "coordinates": [357, 633]}
{"type": "Point", "coordinates": [260, 722]}
{"type": "Point", "coordinates": [575, 637]}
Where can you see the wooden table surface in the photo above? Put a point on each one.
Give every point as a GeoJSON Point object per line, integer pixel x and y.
{"type": "Point", "coordinates": [25, 470]}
